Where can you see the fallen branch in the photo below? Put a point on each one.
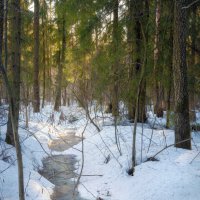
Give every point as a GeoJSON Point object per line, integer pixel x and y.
{"type": "Point", "coordinates": [88, 190]}
{"type": "Point", "coordinates": [195, 157]}
{"type": "Point", "coordinates": [153, 157]}
{"type": "Point", "coordinates": [110, 151]}
{"type": "Point", "coordinates": [91, 175]}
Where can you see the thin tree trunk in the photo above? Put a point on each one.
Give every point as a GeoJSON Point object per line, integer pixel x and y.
{"type": "Point", "coordinates": [6, 33]}
{"type": "Point", "coordinates": [58, 83]}
{"type": "Point", "coordinates": [131, 65]}
{"type": "Point", "coordinates": [60, 67]}
{"type": "Point", "coordinates": [168, 107]}
{"type": "Point", "coordinates": [170, 81]}
{"type": "Point", "coordinates": [5, 41]}
{"type": "Point", "coordinates": [36, 101]}
{"type": "Point", "coordinates": [48, 70]}
{"type": "Point", "coordinates": [49, 81]}
{"type": "Point", "coordinates": [194, 34]}
{"type": "Point", "coordinates": [26, 103]}
{"type": "Point", "coordinates": [15, 60]}
{"type": "Point", "coordinates": [139, 18]}
{"type": "Point", "coordinates": [65, 97]}
{"type": "Point", "coordinates": [14, 125]}
{"type": "Point", "coordinates": [157, 71]}
{"type": "Point", "coordinates": [1, 38]}
{"type": "Point", "coordinates": [14, 91]}
{"type": "Point", "coordinates": [139, 89]}
{"type": "Point", "coordinates": [1, 26]}
{"type": "Point", "coordinates": [115, 67]}
{"type": "Point", "coordinates": [182, 125]}
{"type": "Point", "coordinates": [43, 60]}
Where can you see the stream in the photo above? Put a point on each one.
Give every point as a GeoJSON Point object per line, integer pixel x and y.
{"type": "Point", "coordinates": [59, 169]}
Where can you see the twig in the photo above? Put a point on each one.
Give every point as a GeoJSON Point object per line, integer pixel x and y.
{"type": "Point", "coordinates": [8, 167]}
{"type": "Point", "coordinates": [29, 177]}
{"type": "Point", "coordinates": [195, 157]}
{"type": "Point", "coordinates": [191, 4]}
{"type": "Point", "coordinates": [91, 175]}
{"type": "Point", "coordinates": [83, 159]}
{"type": "Point", "coordinates": [152, 157]}
{"type": "Point", "coordinates": [142, 139]}
{"type": "Point", "coordinates": [88, 190]}
{"type": "Point", "coordinates": [110, 151]}
{"type": "Point", "coordinates": [117, 137]}
{"type": "Point", "coordinates": [195, 144]}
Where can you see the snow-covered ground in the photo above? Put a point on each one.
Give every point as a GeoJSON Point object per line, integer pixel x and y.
{"type": "Point", "coordinates": [176, 176]}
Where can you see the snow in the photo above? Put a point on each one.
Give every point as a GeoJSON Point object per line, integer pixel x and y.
{"type": "Point", "coordinates": [176, 176]}
{"type": "Point", "coordinates": [172, 177]}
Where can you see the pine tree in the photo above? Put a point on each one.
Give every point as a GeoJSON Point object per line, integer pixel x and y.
{"type": "Point", "coordinates": [182, 125]}
{"type": "Point", "coordinates": [36, 89]}
{"type": "Point", "coordinates": [115, 66]}
{"type": "Point", "coordinates": [61, 56]}
{"type": "Point", "coordinates": [12, 135]}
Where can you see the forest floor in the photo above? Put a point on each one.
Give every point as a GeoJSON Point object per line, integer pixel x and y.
{"type": "Point", "coordinates": [175, 176]}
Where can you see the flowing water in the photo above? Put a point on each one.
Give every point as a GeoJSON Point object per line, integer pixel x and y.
{"type": "Point", "coordinates": [59, 169]}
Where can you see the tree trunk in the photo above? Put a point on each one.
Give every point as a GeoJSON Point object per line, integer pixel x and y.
{"type": "Point", "coordinates": [36, 100]}
{"type": "Point", "coordinates": [140, 89]}
{"type": "Point", "coordinates": [168, 107]}
{"type": "Point", "coordinates": [170, 75]}
{"type": "Point", "coordinates": [115, 66]}
{"type": "Point", "coordinates": [158, 109]}
{"type": "Point", "coordinates": [192, 63]}
{"type": "Point", "coordinates": [5, 42]}
{"type": "Point", "coordinates": [131, 65]}
{"type": "Point", "coordinates": [60, 67]}
{"type": "Point", "coordinates": [15, 61]}
{"type": "Point", "coordinates": [14, 91]}
{"type": "Point", "coordinates": [139, 13]}
{"type": "Point", "coordinates": [43, 58]}
{"type": "Point", "coordinates": [1, 38]}
{"type": "Point", "coordinates": [1, 26]}
{"type": "Point", "coordinates": [182, 125]}
{"type": "Point", "coordinates": [135, 54]}
{"type": "Point", "coordinates": [6, 33]}
{"type": "Point", "coordinates": [65, 96]}
{"type": "Point", "coordinates": [58, 84]}
{"type": "Point", "coordinates": [49, 82]}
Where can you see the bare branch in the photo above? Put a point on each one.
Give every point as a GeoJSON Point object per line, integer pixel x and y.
{"type": "Point", "coordinates": [191, 4]}
{"type": "Point", "coordinates": [151, 158]}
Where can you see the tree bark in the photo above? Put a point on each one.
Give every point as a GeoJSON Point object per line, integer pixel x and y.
{"type": "Point", "coordinates": [43, 56]}
{"type": "Point", "coordinates": [170, 75]}
{"type": "Point", "coordinates": [139, 89]}
{"type": "Point", "coordinates": [192, 63]}
{"type": "Point", "coordinates": [182, 125]}
{"type": "Point", "coordinates": [115, 66]}
{"type": "Point", "coordinates": [14, 90]}
{"type": "Point", "coordinates": [1, 26]}
{"type": "Point", "coordinates": [139, 21]}
{"type": "Point", "coordinates": [15, 62]}
{"type": "Point", "coordinates": [6, 33]}
{"type": "Point", "coordinates": [131, 65]}
{"type": "Point", "coordinates": [60, 67]}
{"type": "Point", "coordinates": [158, 109]}
{"type": "Point", "coordinates": [36, 89]}
{"type": "Point", "coordinates": [135, 53]}
{"type": "Point", "coordinates": [65, 96]}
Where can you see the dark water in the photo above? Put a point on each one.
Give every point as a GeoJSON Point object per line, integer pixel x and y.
{"type": "Point", "coordinates": [59, 169]}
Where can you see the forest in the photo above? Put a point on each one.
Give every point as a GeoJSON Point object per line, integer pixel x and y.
{"type": "Point", "coordinates": [99, 99]}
